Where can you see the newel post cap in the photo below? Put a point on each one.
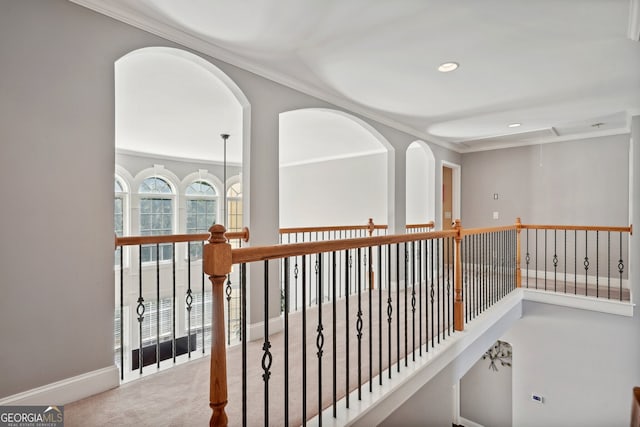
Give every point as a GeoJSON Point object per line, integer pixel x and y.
{"type": "Point", "coordinates": [217, 258]}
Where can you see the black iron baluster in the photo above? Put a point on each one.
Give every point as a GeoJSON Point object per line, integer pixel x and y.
{"type": "Point", "coordinates": [586, 262]}
{"type": "Point", "coordinates": [319, 329]}
{"type": "Point", "coordinates": [140, 308]}
{"type": "Point", "coordinates": [536, 258]}
{"type": "Point", "coordinates": [597, 264]}
{"type": "Point", "coordinates": [122, 313]}
{"type": "Point", "coordinates": [189, 299]}
{"type": "Point", "coordinates": [380, 315]}
{"type": "Point", "coordinates": [565, 261]}
{"type": "Point", "coordinates": [413, 300]}
{"type": "Point", "coordinates": [228, 294]}
{"type": "Point", "coordinates": [334, 281]}
{"type": "Point", "coordinates": [620, 266]}
{"type": "Point", "coordinates": [450, 257]}
{"type": "Point", "coordinates": [527, 258]}
{"type": "Point", "coordinates": [465, 280]}
{"type": "Point", "coordinates": [406, 313]}
{"type": "Point", "coordinates": [398, 305]}
{"type": "Point", "coordinates": [555, 261]}
{"type": "Point", "coordinates": [243, 333]}
{"type": "Point", "coordinates": [203, 301]}
{"type": "Point", "coordinates": [286, 341]}
{"type": "Point", "coordinates": [420, 297]}
{"type": "Point", "coordinates": [575, 262]}
{"type": "Point", "coordinates": [389, 305]}
{"type": "Point", "coordinates": [359, 323]}
{"type": "Point", "coordinates": [438, 287]}
{"type": "Point", "coordinates": [157, 305]}
{"type": "Point", "coordinates": [173, 305]}
{"type": "Point", "coordinates": [608, 264]}
{"type": "Point", "coordinates": [304, 339]}
{"type": "Point", "coordinates": [348, 320]}
{"type": "Point", "coordinates": [370, 281]}
{"type": "Point", "coordinates": [267, 358]}
{"type": "Point", "coordinates": [432, 295]}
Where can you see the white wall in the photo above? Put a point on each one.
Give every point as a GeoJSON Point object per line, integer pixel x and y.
{"type": "Point", "coordinates": [345, 191]}
{"type": "Point", "coordinates": [583, 363]}
{"type": "Point", "coordinates": [421, 184]}
{"type": "Point", "coordinates": [485, 395]}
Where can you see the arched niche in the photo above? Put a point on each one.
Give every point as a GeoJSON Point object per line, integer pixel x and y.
{"type": "Point", "coordinates": [420, 183]}
{"type": "Point", "coordinates": [333, 169]}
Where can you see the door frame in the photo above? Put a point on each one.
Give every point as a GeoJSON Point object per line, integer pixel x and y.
{"type": "Point", "coordinates": [455, 191]}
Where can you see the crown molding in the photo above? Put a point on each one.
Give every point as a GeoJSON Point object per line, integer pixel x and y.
{"type": "Point", "coordinates": [190, 41]}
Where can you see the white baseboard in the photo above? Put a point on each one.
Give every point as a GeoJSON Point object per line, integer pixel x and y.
{"type": "Point", "coordinates": [468, 423]}
{"type": "Point", "coordinates": [255, 331]}
{"type": "Point", "coordinates": [67, 390]}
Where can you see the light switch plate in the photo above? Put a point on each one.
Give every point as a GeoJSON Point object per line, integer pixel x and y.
{"type": "Point", "coordinates": [496, 215]}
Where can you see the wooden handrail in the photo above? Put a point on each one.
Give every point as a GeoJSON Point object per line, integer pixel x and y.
{"type": "Point", "coordinates": [370, 226]}
{"type": "Point", "coordinates": [628, 229]}
{"type": "Point", "coordinates": [429, 224]}
{"type": "Point", "coordinates": [472, 231]}
{"type": "Point", "coordinates": [177, 238]}
{"type": "Point", "coordinates": [262, 253]}
{"type": "Point", "coordinates": [291, 230]}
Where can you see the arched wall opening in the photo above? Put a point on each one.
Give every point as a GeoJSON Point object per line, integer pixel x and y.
{"type": "Point", "coordinates": [333, 170]}
{"type": "Point", "coordinates": [421, 184]}
{"type": "Point", "coordinates": [171, 107]}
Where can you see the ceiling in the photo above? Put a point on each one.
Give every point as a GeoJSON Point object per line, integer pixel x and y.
{"type": "Point", "coordinates": [563, 69]}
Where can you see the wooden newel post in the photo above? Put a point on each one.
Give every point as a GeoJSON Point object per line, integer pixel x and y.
{"type": "Point", "coordinates": [518, 254]}
{"type": "Point", "coordinates": [217, 264]}
{"type": "Point", "coordinates": [458, 306]}
{"type": "Point", "coordinates": [370, 227]}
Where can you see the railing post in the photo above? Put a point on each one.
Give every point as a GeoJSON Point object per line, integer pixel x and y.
{"type": "Point", "coordinates": [371, 227]}
{"type": "Point", "coordinates": [518, 253]}
{"type": "Point", "coordinates": [217, 264]}
{"type": "Point", "coordinates": [458, 306]}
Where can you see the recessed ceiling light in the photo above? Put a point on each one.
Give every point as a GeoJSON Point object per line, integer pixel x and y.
{"type": "Point", "coordinates": [447, 67]}
{"type": "Point", "coordinates": [514, 125]}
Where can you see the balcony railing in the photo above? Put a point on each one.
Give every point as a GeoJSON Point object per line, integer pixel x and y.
{"type": "Point", "coordinates": [355, 311]}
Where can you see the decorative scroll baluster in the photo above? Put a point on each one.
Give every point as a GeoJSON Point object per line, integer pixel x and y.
{"type": "Point", "coordinates": [586, 263]}
{"type": "Point", "coordinates": [359, 327]}
{"type": "Point", "coordinates": [140, 308]}
{"type": "Point", "coordinates": [527, 258]}
{"type": "Point", "coordinates": [319, 330]}
{"type": "Point", "coordinates": [413, 299]}
{"type": "Point", "coordinates": [267, 358]}
{"type": "Point", "coordinates": [296, 270]}
{"type": "Point", "coordinates": [555, 261]}
{"type": "Point", "coordinates": [620, 266]}
{"type": "Point", "coordinates": [228, 294]}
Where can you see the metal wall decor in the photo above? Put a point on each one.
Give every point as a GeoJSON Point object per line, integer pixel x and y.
{"type": "Point", "coordinates": [499, 352]}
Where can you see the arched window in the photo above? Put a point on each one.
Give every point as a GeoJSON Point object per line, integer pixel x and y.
{"type": "Point", "coordinates": [156, 216]}
{"type": "Point", "coordinates": [202, 208]}
{"type": "Point", "coordinates": [234, 207]}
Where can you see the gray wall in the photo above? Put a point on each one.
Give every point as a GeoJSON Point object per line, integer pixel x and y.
{"type": "Point", "coordinates": [57, 166]}
{"type": "Point", "coordinates": [578, 182]}
{"type": "Point", "coordinates": [485, 395]}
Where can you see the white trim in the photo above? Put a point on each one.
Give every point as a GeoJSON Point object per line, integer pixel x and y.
{"type": "Point", "coordinates": [156, 156]}
{"type": "Point", "coordinates": [67, 390]}
{"type": "Point", "coordinates": [332, 158]}
{"type": "Point", "coordinates": [376, 406]}
{"type": "Point", "coordinates": [468, 423]}
{"type": "Point", "coordinates": [581, 302]}
{"type": "Point", "coordinates": [255, 331]}
{"type": "Point", "coordinates": [145, 23]}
